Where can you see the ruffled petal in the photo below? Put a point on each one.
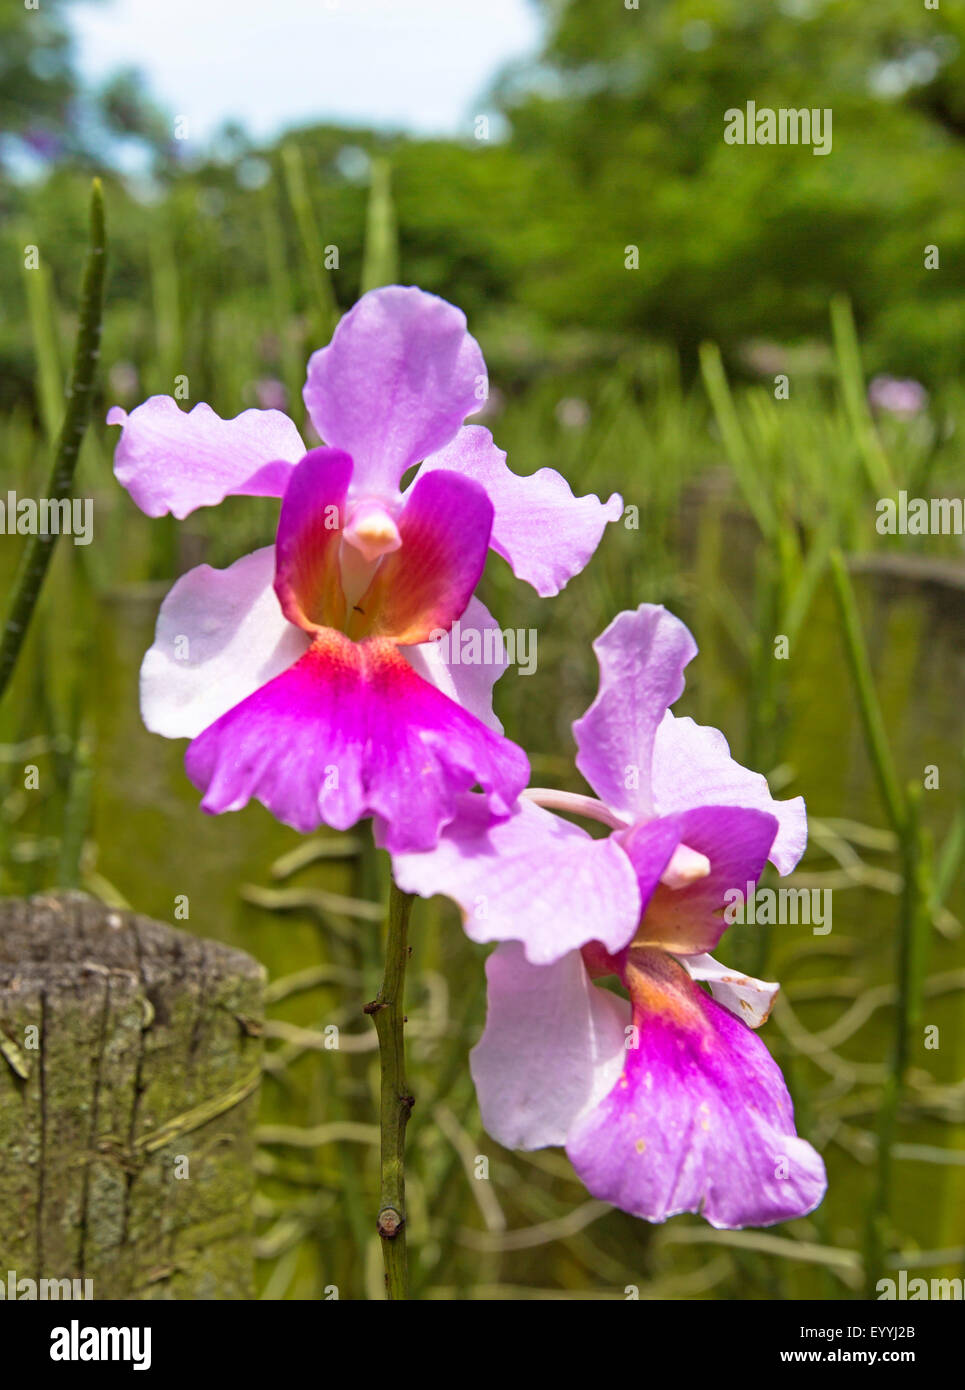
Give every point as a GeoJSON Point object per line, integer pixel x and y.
{"type": "Point", "coordinates": [350, 730]}
{"type": "Point", "coordinates": [545, 533]}
{"type": "Point", "coordinates": [745, 997]}
{"type": "Point", "coordinates": [395, 383]}
{"type": "Point", "coordinates": [735, 841]}
{"type": "Point", "coordinates": [220, 636]}
{"type": "Point", "coordinates": [700, 1119]}
{"type": "Point", "coordinates": [553, 1046]}
{"type": "Point", "coordinates": [692, 766]}
{"type": "Point", "coordinates": [533, 878]}
{"type": "Point", "coordinates": [171, 460]}
{"type": "Point", "coordinates": [444, 664]}
{"type": "Point", "coordinates": [642, 656]}
{"type": "Point", "coordinates": [423, 586]}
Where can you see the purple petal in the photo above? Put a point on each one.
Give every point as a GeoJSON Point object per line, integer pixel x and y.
{"type": "Point", "coordinates": [395, 383]}
{"type": "Point", "coordinates": [745, 997]}
{"type": "Point", "coordinates": [351, 730]}
{"type": "Point", "coordinates": [424, 585]}
{"type": "Point", "coordinates": [650, 846]}
{"type": "Point", "coordinates": [690, 920]}
{"type": "Point", "coordinates": [220, 636]}
{"type": "Point", "coordinates": [467, 680]}
{"type": "Point", "coordinates": [642, 656]}
{"type": "Point", "coordinates": [545, 533]}
{"type": "Point", "coordinates": [553, 1046]}
{"type": "Point", "coordinates": [172, 460]}
{"type": "Point", "coordinates": [309, 536]}
{"type": "Point", "coordinates": [700, 1119]}
{"type": "Point", "coordinates": [692, 766]}
{"type": "Point", "coordinates": [533, 878]}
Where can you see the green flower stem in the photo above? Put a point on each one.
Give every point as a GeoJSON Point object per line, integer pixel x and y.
{"type": "Point", "coordinates": [396, 1103]}
{"type": "Point", "coordinates": [37, 556]}
{"type": "Point", "coordinates": [869, 709]}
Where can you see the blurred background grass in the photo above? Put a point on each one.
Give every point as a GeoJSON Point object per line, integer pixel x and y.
{"type": "Point", "coordinates": [659, 382]}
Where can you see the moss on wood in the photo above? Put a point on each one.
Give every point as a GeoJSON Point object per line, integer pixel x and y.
{"type": "Point", "coordinates": [126, 1130]}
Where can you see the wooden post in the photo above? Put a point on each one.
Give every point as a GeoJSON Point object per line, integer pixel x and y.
{"type": "Point", "coordinates": [129, 1070]}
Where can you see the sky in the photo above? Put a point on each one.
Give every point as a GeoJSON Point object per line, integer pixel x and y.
{"type": "Point", "coordinates": [415, 65]}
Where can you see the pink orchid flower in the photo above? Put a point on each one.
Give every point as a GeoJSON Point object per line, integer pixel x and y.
{"type": "Point", "coordinates": [667, 1102]}
{"type": "Point", "coordinates": [304, 674]}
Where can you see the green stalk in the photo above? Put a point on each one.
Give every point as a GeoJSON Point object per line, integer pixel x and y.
{"type": "Point", "coordinates": [396, 1103]}
{"type": "Point", "coordinates": [37, 555]}
{"type": "Point", "coordinates": [323, 296]}
{"type": "Point", "coordinates": [868, 707]}
{"type": "Point", "coordinates": [851, 377]}
{"type": "Point", "coordinates": [749, 478]}
{"type": "Point", "coordinates": [280, 283]}
{"type": "Point", "coordinates": [43, 319]}
{"type": "Point", "coordinates": [380, 261]}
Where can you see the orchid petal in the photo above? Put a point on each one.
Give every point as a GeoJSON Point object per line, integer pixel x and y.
{"type": "Point", "coordinates": [395, 383]}
{"type": "Point", "coordinates": [470, 683]}
{"type": "Point", "coordinates": [642, 656]}
{"type": "Point", "coordinates": [692, 766]}
{"type": "Point", "coordinates": [175, 461]}
{"type": "Point", "coordinates": [745, 997]}
{"type": "Point", "coordinates": [312, 513]}
{"type": "Point", "coordinates": [691, 920]}
{"type": "Point", "coordinates": [700, 1119]}
{"type": "Point", "coordinates": [532, 877]}
{"type": "Point", "coordinates": [545, 533]}
{"type": "Point", "coordinates": [220, 636]}
{"type": "Point", "coordinates": [351, 730]}
{"type": "Point", "coordinates": [421, 588]}
{"type": "Point", "coordinates": [553, 1046]}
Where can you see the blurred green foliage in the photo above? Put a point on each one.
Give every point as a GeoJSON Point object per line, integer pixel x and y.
{"type": "Point", "coordinates": [614, 139]}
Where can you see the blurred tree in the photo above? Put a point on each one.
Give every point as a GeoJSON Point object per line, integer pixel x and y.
{"type": "Point", "coordinates": [37, 81]}
{"type": "Point", "coordinates": [626, 108]}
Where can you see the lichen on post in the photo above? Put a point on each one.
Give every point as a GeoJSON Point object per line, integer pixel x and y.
{"type": "Point", "coordinates": [130, 1060]}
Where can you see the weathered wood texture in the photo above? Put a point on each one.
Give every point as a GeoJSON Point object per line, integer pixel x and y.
{"type": "Point", "coordinates": [126, 1117]}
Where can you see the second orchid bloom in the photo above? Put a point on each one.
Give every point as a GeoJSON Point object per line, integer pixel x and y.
{"type": "Point", "coordinates": [666, 1100]}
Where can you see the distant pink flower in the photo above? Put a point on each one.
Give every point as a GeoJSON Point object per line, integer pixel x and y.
{"type": "Point", "coordinates": [123, 380]}
{"type": "Point", "coordinates": [667, 1102]}
{"type": "Point", "coordinates": [572, 413]}
{"type": "Point", "coordinates": [303, 673]}
{"type": "Point", "coordinates": [897, 396]}
{"type": "Point", "coordinates": [270, 393]}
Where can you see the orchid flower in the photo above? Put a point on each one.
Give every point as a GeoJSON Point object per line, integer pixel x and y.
{"type": "Point", "coordinates": [667, 1101]}
{"type": "Point", "coordinates": [304, 674]}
